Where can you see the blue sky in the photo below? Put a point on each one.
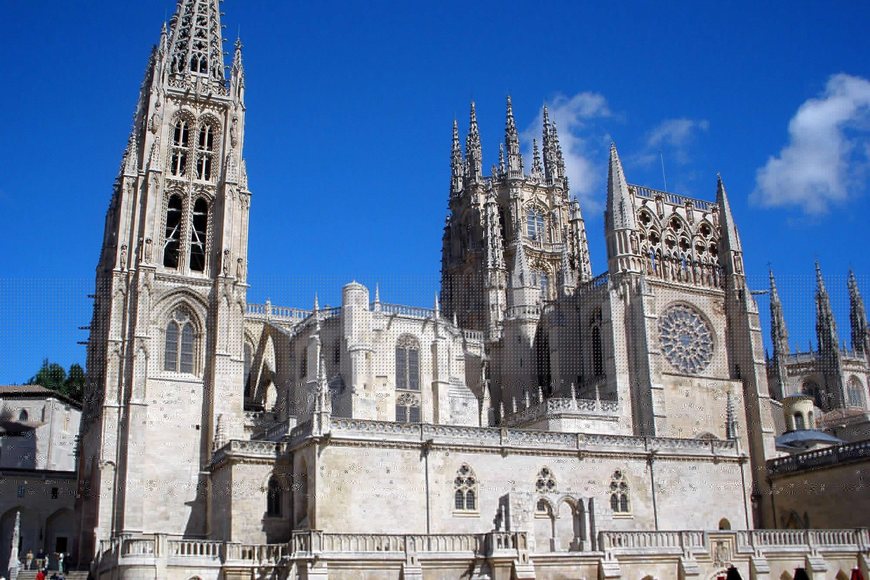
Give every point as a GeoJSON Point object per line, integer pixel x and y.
{"type": "Point", "coordinates": [350, 108]}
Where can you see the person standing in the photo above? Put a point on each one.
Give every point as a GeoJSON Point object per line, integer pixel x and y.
{"type": "Point", "coordinates": [28, 559]}
{"type": "Point", "coordinates": [40, 559]}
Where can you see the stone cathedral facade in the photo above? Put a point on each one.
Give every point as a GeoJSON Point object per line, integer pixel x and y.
{"type": "Point", "coordinates": [537, 422]}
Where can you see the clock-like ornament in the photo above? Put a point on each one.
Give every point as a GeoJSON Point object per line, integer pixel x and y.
{"type": "Point", "coordinates": [687, 340]}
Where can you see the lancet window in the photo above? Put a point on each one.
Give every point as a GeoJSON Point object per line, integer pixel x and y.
{"type": "Point", "coordinates": [535, 224]}
{"type": "Point", "coordinates": [853, 392]}
{"type": "Point", "coordinates": [172, 242]}
{"type": "Point", "coordinates": [408, 363]}
{"type": "Point", "coordinates": [205, 152]}
{"type": "Point", "coordinates": [465, 490]}
{"type": "Point", "coordinates": [180, 148]}
{"type": "Point", "coordinates": [619, 501]}
{"type": "Point", "coordinates": [273, 498]}
{"type": "Point", "coordinates": [180, 345]}
{"type": "Point", "coordinates": [198, 235]}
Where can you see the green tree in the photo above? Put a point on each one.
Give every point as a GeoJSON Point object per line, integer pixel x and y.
{"type": "Point", "coordinates": [51, 376]}
{"type": "Point", "coordinates": [75, 382]}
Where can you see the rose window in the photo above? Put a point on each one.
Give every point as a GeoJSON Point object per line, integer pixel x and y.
{"type": "Point", "coordinates": [687, 341]}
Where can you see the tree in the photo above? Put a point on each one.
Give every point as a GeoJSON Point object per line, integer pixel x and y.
{"type": "Point", "coordinates": [75, 382]}
{"type": "Point", "coordinates": [52, 376]}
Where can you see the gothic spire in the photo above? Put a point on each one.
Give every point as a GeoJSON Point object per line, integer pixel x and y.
{"type": "Point", "coordinates": [521, 276]}
{"type": "Point", "coordinates": [620, 213]}
{"type": "Point", "coordinates": [729, 230]}
{"type": "Point", "coordinates": [826, 326]}
{"type": "Point", "coordinates": [579, 242]}
{"type": "Point", "coordinates": [455, 162]}
{"type": "Point", "coordinates": [548, 144]}
{"type": "Point", "coordinates": [858, 318]}
{"type": "Point", "coordinates": [237, 73]}
{"type": "Point", "coordinates": [473, 154]}
{"type": "Point", "coordinates": [536, 159]}
{"type": "Point", "coordinates": [195, 45]}
{"type": "Point", "coordinates": [778, 330]}
{"type": "Point", "coordinates": [512, 142]}
{"type": "Point", "coordinates": [494, 238]}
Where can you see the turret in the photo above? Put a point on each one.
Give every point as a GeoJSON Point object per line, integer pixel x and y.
{"type": "Point", "coordinates": [473, 152]}
{"type": "Point", "coordinates": [456, 163]}
{"type": "Point", "coordinates": [858, 319]}
{"type": "Point", "coordinates": [619, 220]}
{"type": "Point", "coordinates": [554, 165]}
{"type": "Point", "coordinates": [579, 243]}
{"type": "Point", "coordinates": [829, 346]}
{"type": "Point", "coordinates": [512, 144]}
{"type": "Point", "coordinates": [779, 339]}
{"type": "Point", "coordinates": [731, 254]}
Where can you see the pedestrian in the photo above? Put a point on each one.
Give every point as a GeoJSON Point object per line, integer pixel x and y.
{"type": "Point", "coordinates": [40, 559]}
{"type": "Point", "coordinates": [40, 575]}
{"type": "Point", "coordinates": [29, 560]}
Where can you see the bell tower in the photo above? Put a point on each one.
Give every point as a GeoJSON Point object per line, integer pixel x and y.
{"type": "Point", "coordinates": [165, 360]}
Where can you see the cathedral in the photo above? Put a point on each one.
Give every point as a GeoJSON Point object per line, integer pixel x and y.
{"type": "Point", "coordinates": [538, 421]}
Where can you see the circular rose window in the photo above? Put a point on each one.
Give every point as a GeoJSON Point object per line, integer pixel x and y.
{"type": "Point", "coordinates": [687, 341]}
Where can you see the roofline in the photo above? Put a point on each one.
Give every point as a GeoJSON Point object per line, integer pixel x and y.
{"type": "Point", "coordinates": [47, 393]}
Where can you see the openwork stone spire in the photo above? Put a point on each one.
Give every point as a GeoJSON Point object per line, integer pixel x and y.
{"type": "Point", "coordinates": [196, 45]}
{"type": "Point", "coordinates": [620, 213]}
{"type": "Point", "coordinates": [512, 143]}
{"type": "Point", "coordinates": [826, 325]}
{"type": "Point", "coordinates": [858, 318]}
{"type": "Point", "coordinates": [455, 162]}
{"type": "Point", "coordinates": [473, 152]}
{"type": "Point", "coordinates": [779, 338]}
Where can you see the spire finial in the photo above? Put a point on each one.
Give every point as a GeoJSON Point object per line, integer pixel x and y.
{"type": "Point", "coordinates": [316, 303]}
{"type": "Point", "coordinates": [473, 154]}
{"type": "Point", "coordinates": [512, 142]}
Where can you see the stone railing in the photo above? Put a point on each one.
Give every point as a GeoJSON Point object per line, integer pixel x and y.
{"type": "Point", "coordinates": [473, 335]}
{"type": "Point", "coordinates": [407, 311]}
{"type": "Point", "coordinates": [541, 409]}
{"type": "Point", "coordinates": [671, 198]}
{"type": "Point", "coordinates": [820, 458]}
{"type": "Point", "coordinates": [654, 542]}
{"type": "Point", "coordinates": [745, 541]}
{"type": "Point", "coordinates": [314, 542]}
{"type": "Point", "coordinates": [268, 311]}
{"type": "Point", "coordinates": [504, 439]}
{"type": "Point", "coordinates": [244, 447]}
{"type": "Point", "coordinates": [195, 549]}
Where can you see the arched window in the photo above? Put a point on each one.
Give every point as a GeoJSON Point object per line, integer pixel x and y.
{"type": "Point", "coordinates": [619, 493]}
{"type": "Point", "coordinates": [197, 235]}
{"type": "Point", "coordinates": [249, 356]}
{"type": "Point", "coordinates": [180, 148]}
{"type": "Point", "coordinates": [597, 352]}
{"type": "Point", "coordinates": [465, 490]}
{"type": "Point", "coordinates": [724, 524]}
{"type": "Point", "coordinates": [408, 363]}
{"type": "Point", "coordinates": [854, 392]}
{"type": "Point", "coordinates": [546, 481]}
{"type": "Point", "coordinates": [172, 243]}
{"type": "Point", "coordinates": [541, 279]}
{"type": "Point", "coordinates": [408, 408]}
{"type": "Point", "coordinates": [535, 224]}
{"type": "Point", "coordinates": [273, 499]}
{"type": "Point", "coordinates": [180, 339]}
{"type": "Point", "coordinates": [23, 415]}
{"type": "Point", "coordinates": [799, 422]}
{"type": "Point", "coordinates": [205, 152]}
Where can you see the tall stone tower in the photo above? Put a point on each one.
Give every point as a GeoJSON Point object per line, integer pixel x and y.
{"type": "Point", "coordinates": [165, 361]}
{"type": "Point", "coordinates": [490, 219]}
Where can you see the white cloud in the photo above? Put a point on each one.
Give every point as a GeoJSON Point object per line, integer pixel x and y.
{"type": "Point", "coordinates": [574, 117]}
{"type": "Point", "coordinates": [828, 150]}
{"type": "Point", "coordinates": [672, 138]}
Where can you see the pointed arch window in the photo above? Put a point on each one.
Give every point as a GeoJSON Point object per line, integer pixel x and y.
{"type": "Point", "coordinates": [273, 498]}
{"type": "Point", "coordinates": [597, 352]}
{"type": "Point", "coordinates": [854, 393]}
{"type": "Point", "coordinates": [180, 148]}
{"type": "Point", "coordinates": [249, 357]}
{"type": "Point", "coordinates": [172, 243]}
{"type": "Point", "coordinates": [198, 235]}
{"type": "Point", "coordinates": [619, 501]}
{"type": "Point", "coordinates": [180, 343]}
{"type": "Point", "coordinates": [535, 224]}
{"type": "Point", "coordinates": [465, 497]}
{"type": "Point", "coordinates": [408, 363]}
{"type": "Point", "coordinates": [205, 152]}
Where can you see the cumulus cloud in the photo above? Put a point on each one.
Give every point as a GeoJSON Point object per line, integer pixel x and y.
{"type": "Point", "coordinates": [828, 150]}
{"type": "Point", "coordinates": [672, 137]}
{"type": "Point", "coordinates": [575, 118]}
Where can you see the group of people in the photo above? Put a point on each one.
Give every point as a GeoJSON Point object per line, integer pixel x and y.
{"type": "Point", "coordinates": [40, 563]}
